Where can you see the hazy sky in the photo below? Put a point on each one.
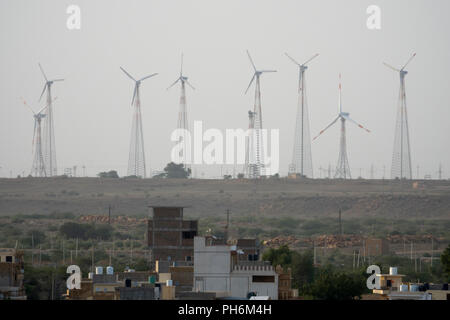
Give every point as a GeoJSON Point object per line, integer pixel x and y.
{"type": "Point", "coordinates": [93, 113]}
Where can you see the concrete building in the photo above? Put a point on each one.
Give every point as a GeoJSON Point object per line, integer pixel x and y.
{"type": "Point", "coordinates": [169, 236]}
{"type": "Point", "coordinates": [11, 274]}
{"type": "Point", "coordinates": [393, 288]}
{"type": "Point", "coordinates": [218, 269]}
{"type": "Point", "coordinates": [285, 291]}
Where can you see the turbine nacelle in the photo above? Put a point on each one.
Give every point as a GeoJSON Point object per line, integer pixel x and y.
{"type": "Point", "coordinates": [257, 73]}
{"type": "Point", "coordinates": [402, 71]}
{"type": "Point", "coordinates": [137, 82]}
{"type": "Point", "coordinates": [48, 83]}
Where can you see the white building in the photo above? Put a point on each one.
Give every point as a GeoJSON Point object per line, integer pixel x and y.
{"type": "Point", "coordinates": [218, 269]}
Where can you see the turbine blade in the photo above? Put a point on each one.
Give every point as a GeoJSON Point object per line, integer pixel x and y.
{"type": "Point", "coordinates": [173, 83]}
{"type": "Point", "coordinates": [45, 87]}
{"type": "Point", "coordinates": [391, 67]}
{"type": "Point", "coordinates": [43, 73]}
{"type": "Point", "coordinates": [356, 123]}
{"type": "Point", "coordinates": [313, 57]}
{"type": "Point", "coordinates": [412, 57]}
{"type": "Point", "coordinates": [251, 81]}
{"type": "Point", "coordinates": [43, 108]}
{"type": "Point", "coordinates": [292, 59]}
{"type": "Point", "coordinates": [34, 134]}
{"type": "Point", "coordinates": [134, 94]}
{"type": "Point", "coordinates": [181, 70]}
{"type": "Point", "coordinates": [334, 121]}
{"type": "Point", "coordinates": [26, 104]}
{"type": "Point", "coordinates": [268, 71]}
{"type": "Point", "coordinates": [248, 53]}
{"type": "Point", "coordinates": [190, 85]}
{"type": "Point", "coordinates": [127, 74]}
{"type": "Point", "coordinates": [154, 74]}
{"type": "Point", "coordinates": [58, 80]}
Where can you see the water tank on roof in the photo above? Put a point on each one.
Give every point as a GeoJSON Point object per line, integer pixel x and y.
{"type": "Point", "coordinates": [403, 288]}
{"type": "Point", "coordinates": [90, 275]}
{"type": "Point", "coordinates": [413, 287]}
{"type": "Point", "coordinates": [109, 270]}
{"type": "Point", "coordinates": [98, 270]}
{"type": "Point", "coordinates": [169, 283]}
{"type": "Point", "coordinates": [393, 271]}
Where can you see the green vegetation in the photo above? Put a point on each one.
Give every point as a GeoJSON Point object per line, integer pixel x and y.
{"type": "Point", "coordinates": [331, 285]}
{"type": "Point", "coordinates": [74, 230]}
{"type": "Point", "coordinates": [109, 174]}
{"type": "Point", "coordinates": [445, 261]}
{"type": "Point", "coordinates": [324, 283]}
{"type": "Point", "coordinates": [175, 171]}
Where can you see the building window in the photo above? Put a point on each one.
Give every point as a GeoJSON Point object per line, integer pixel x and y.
{"type": "Point", "coordinates": [188, 258]}
{"type": "Point", "coordinates": [263, 279]}
{"type": "Point", "coordinates": [9, 259]}
{"type": "Point", "coordinates": [189, 234]}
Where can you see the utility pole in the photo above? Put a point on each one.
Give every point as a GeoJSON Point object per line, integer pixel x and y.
{"type": "Point", "coordinates": [227, 226]}
{"type": "Point", "coordinates": [432, 250]}
{"type": "Point", "coordinates": [32, 249]}
{"type": "Point", "coordinates": [76, 249]}
{"type": "Point", "coordinates": [411, 252]}
{"type": "Point", "coordinates": [109, 214]}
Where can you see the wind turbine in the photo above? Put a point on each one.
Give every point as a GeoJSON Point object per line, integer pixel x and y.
{"type": "Point", "coordinates": [38, 166]}
{"type": "Point", "coordinates": [49, 149]}
{"type": "Point", "coordinates": [342, 168]}
{"type": "Point", "coordinates": [401, 158]}
{"type": "Point", "coordinates": [301, 155]}
{"type": "Point", "coordinates": [136, 158]}
{"type": "Point", "coordinates": [254, 167]}
{"type": "Point", "coordinates": [183, 123]}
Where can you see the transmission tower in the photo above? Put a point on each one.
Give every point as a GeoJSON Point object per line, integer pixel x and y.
{"type": "Point", "coordinates": [301, 155]}
{"type": "Point", "coordinates": [401, 158]}
{"type": "Point", "coordinates": [136, 158]}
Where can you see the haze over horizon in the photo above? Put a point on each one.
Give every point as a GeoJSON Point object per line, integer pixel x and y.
{"type": "Point", "coordinates": [93, 112]}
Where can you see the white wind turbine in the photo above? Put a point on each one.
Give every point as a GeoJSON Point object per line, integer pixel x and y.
{"type": "Point", "coordinates": [136, 159]}
{"type": "Point", "coordinates": [38, 168]}
{"type": "Point", "coordinates": [183, 123]}
{"type": "Point", "coordinates": [254, 166]}
{"type": "Point", "coordinates": [301, 155]}
{"type": "Point", "coordinates": [401, 157]}
{"type": "Point", "coordinates": [342, 168]}
{"type": "Point", "coordinates": [49, 149]}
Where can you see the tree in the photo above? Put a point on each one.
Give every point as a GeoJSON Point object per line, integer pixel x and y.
{"type": "Point", "coordinates": [302, 268]}
{"type": "Point", "coordinates": [240, 176]}
{"type": "Point", "coordinates": [330, 285]}
{"type": "Point", "coordinates": [109, 174]}
{"type": "Point", "coordinates": [176, 171]}
{"type": "Point", "coordinates": [281, 256]}
{"type": "Point", "coordinates": [445, 261]}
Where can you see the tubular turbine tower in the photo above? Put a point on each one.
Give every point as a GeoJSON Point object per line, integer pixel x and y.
{"type": "Point", "coordinates": [301, 155]}
{"type": "Point", "coordinates": [254, 167]}
{"type": "Point", "coordinates": [136, 158]}
{"type": "Point", "coordinates": [401, 158]}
